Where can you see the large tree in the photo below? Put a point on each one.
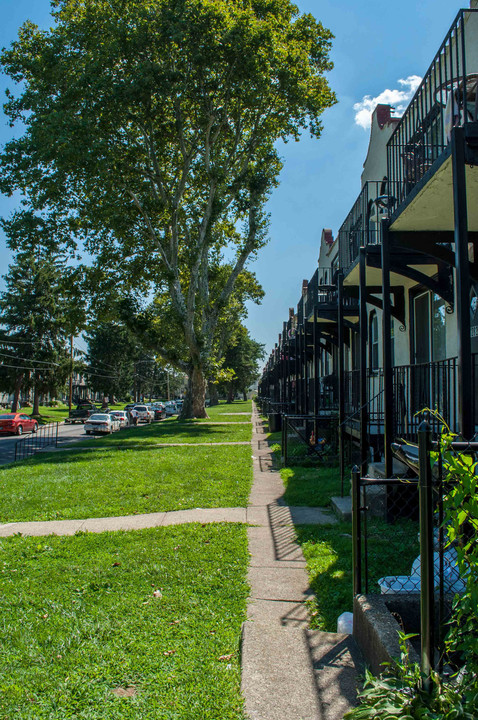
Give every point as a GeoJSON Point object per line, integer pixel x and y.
{"type": "Point", "coordinates": [154, 124]}
{"type": "Point", "coordinates": [33, 317]}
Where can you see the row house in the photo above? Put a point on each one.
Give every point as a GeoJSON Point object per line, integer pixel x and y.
{"type": "Point", "coordinates": [388, 323]}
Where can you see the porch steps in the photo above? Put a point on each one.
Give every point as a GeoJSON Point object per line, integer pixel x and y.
{"type": "Point", "coordinates": [342, 506]}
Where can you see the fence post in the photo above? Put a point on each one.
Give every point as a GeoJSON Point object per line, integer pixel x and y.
{"type": "Point", "coordinates": [356, 533]}
{"type": "Point", "coordinates": [284, 439]}
{"type": "Point", "coordinates": [427, 600]}
{"type": "Point", "coordinates": [56, 436]}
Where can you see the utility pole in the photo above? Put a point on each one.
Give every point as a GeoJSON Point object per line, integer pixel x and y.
{"type": "Point", "coordinates": [70, 389]}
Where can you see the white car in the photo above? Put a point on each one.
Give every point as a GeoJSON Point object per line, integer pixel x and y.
{"type": "Point", "coordinates": [171, 408]}
{"type": "Point", "coordinates": [121, 416]}
{"type": "Point", "coordinates": [145, 414]}
{"type": "Point", "coordinates": [101, 423]}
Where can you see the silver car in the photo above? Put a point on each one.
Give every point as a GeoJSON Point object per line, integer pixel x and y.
{"type": "Point", "coordinates": [121, 416]}
{"type": "Point", "coordinates": [101, 423]}
{"type": "Point", "coordinates": [144, 413]}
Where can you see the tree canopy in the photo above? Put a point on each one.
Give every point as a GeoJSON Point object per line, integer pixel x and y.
{"type": "Point", "coordinates": [33, 315]}
{"type": "Point", "coordinates": [151, 127]}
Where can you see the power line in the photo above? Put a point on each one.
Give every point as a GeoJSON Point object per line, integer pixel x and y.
{"type": "Point", "coordinates": [43, 362]}
{"type": "Point", "coordinates": [20, 367]}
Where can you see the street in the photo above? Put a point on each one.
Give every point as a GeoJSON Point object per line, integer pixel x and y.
{"type": "Point", "coordinates": [66, 434]}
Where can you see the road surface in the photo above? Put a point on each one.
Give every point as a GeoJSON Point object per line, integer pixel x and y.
{"type": "Point", "coordinates": [66, 434]}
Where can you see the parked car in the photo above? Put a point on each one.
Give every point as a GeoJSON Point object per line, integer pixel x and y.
{"type": "Point", "coordinates": [144, 413]}
{"type": "Point", "coordinates": [101, 423]}
{"type": "Point", "coordinates": [17, 423]}
{"type": "Point", "coordinates": [159, 411]}
{"type": "Point", "coordinates": [81, 413]}
{"type": "Point", "coordinates": [171, 408]}
{"type": "Point", "coordinates": [121, 416]}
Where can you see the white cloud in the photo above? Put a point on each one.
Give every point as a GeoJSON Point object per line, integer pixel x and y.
{"type": "Point", "coordinates": [398, 99]}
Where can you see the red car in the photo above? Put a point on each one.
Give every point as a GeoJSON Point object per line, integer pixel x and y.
{"type": "Point", "coordinates": [17, 423]}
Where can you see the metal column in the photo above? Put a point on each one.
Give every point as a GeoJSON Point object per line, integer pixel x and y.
{"type": "Point", "coordinates": [363, 322]}
{"type": "Point", "coordinates": [465, 369]}
{"type": "Point", "coordinates": [387, 351]}
{"type": "Point", "coordinates": [315, 338]}
{"type": "Point", "coordinates": [340, 334]}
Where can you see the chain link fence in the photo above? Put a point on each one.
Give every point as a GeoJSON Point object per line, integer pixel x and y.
{"type": "Point", "coordinates": [309, 439]}
{"type": "Point", "coordinates": [414, 540]}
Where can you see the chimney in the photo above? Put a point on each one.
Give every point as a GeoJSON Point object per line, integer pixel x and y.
{"type": "Point", "coordinates": [305, 285]}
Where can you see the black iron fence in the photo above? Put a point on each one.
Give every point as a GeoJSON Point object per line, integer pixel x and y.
{"type": "Point", "coordinates": [309, 439]}
{"type": "Point", "coordinates": [403, 550]}
{"type": "Point", "coordinates": [431, 385]}
{"type": "Point", "coordinates": [31, 444]}
{"type": "Point", "coordinates": [447, 96]}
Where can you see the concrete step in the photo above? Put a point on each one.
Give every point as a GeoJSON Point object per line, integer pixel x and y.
{"type": "Point", "coordinates": [342, 507]}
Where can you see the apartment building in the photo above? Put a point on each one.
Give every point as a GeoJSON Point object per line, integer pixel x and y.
{"type": "Point", "coordinates": [388, 323]}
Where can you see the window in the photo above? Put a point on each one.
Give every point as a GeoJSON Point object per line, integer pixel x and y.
{"type": "Point", "coordinates": [373, 335]}
{"type": "Point", "coordinates": [438, 328]}
{"type": "Point", "coordinates": [430, 328]}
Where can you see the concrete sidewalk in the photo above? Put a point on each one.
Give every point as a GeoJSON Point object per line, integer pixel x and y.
{"type": "Point", "coordinates": [288, 671]}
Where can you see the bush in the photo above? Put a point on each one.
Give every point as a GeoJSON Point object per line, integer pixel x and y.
{"type": "Point", "coordinates": [399, 694]}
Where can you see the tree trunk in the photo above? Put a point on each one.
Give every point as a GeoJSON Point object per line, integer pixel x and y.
{"type": "Point", "coordinates": [213, 394]}
{"type": "Point", "coordinates": [36, 402]}
{"type": "Point", "coordinates": [16, 394]}
{"type": "Point", "coordinates": [244, 395]}
{"type": "Point", "coordinates": [230, 395]}
{"type": "Point", "coordinates": [198, 393]}
{"type": "Point", "coordinates": [194, 405]}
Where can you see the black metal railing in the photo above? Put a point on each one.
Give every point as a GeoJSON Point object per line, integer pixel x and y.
{"type": "Point", "coordinates": [374, 395]}
{"type": "Point", "coordinates": [311, 296]}
{"type": "Point", "coordinates": [309, 439]}
{"type": "Point", "coordinates": [431, 385]}
{"type": "Point", "coordinates": [31, 444]}
{"type": "Point", "coordinates": [401, 548]}
{"type": "Point", "coordinates": [447, 96]}
{"type": "Point", "coordinates": [363, 224]}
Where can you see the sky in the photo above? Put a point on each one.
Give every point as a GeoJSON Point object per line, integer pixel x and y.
{"type": "Point", "coordinates": [380, 52]}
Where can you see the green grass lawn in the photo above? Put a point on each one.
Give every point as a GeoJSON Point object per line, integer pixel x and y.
{"type": "Point", "coordinates": [226, 412]}
{"type": "Point", "coordinates": [98, 483]}
{"type": "Point", "coordinates": [311, 486]}
{"type": "Point", "coordinates": [81, 625]}
{"type": "Point", "coordinates": [328, 552]}
{"type": "Point", "coordinates": [176, 431]}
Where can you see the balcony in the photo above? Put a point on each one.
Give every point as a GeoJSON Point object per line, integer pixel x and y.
{"type": "Point", "coordinates": [362, 226]}
{"type": "Point", "coordinates": [420, 145]}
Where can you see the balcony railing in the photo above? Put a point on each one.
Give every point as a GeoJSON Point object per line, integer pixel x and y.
{"type": "Point", "coordinates": [375, 399]}
{"type": "Point", "coordinates": [362, 226]}
{"type": "Point", "coordinates": [447, 96]}
{"type": "Point", "coordinates": [431, 385]}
